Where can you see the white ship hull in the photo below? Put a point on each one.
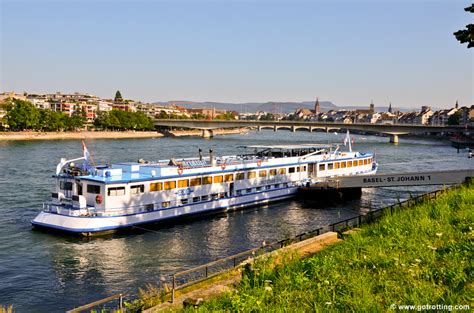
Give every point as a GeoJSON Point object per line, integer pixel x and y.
{"type": "Point", "coordinates": [97, 225]}
{"type": "Point", "coordinates": [107, 198]}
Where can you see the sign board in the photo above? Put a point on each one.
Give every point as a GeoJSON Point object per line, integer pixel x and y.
{"type": "Point", "coordinates": [406, 179]}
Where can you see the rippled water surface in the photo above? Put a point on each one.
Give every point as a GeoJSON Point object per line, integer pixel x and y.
{"type": "Point", "coordinates": [41, 272]}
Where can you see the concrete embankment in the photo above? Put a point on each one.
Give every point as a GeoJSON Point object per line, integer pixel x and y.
{"type": "Point", "coordinates": [32, 135]}
{"type": "Point", "coordinates": [27, 135]}
{"type": "Point", "coordinates": [197, 132]}
{"type": "Point", "coordinates": [208, 290]}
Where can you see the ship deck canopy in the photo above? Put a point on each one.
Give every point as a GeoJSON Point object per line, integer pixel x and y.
{"type": "Point", "coordinates": [288, 150]}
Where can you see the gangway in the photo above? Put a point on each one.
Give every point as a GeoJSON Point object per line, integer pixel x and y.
{"type": "Point", "coordinates": [341, 188]}
{"type": "Point", "coordinates": [448, 177]}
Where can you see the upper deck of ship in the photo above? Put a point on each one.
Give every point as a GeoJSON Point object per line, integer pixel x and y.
{"type": "Point", "coordinates": [259, 156]}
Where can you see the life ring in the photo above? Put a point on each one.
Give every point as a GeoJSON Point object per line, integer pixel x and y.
{"type": "Point", "coordinates": [98, 199]}
{"type": "Point", "coordinates": [259, 162]}
{"type": "Point", "coordinates": [223, 166]}
{"type": "Point", "coordinates": [180, 170]}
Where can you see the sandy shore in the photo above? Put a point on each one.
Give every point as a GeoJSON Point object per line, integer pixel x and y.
{"type": "Point", "coordinates": [30, 135]}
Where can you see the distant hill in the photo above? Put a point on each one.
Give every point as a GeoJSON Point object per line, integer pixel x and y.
{"type": "Point", "coordinates": [252, 107]}
{"type": "Point", "coordinates": [273, 107]}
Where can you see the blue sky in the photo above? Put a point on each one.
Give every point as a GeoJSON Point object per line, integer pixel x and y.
{"type": "Point", "coordinates": [348, 52]}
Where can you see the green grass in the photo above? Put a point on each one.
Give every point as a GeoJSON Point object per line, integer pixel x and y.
{"type": "Point", "coordinates": [420, 255]}
{"type": "Point", "coordinates": [6, 309]}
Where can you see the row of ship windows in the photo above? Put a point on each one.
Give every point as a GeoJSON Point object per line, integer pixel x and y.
{"type": "Point", "coordinates": [344, 164]}
{"type": "Point", "coordinates": [216, 196]}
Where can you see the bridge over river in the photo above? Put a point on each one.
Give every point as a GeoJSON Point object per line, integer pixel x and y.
{"type": "Point", "coordinates": [394, 130]}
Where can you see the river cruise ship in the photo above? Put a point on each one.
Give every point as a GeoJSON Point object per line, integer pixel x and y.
{"type": "Point", "coordinates": [91, 200]}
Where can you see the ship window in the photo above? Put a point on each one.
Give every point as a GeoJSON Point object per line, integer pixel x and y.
{"type": "Point", "coordinates": [349, 163]}
{"type": "Point", "coordinates": [298, 169]}
{"type": "Point", "coordinates": [195, 181]}
{"type": "Point", "coordinates": [183, 183]}
{"type": "Point", "coordinates": [322, 167]}
{"type": "Point", "coordinates": [238, 192]}
{"type": "Point", "coordinates": [259, 188]}
{"type": "Point", "coordinates": [137, 189]}
{"type": "Point", "coordinates": [268, 187]}
{"type": "Point", "coordinates": [206, 180]}
{"type": "Point", "coordinates": [205, 198]}
{"type": "Point", "coordinates": [214, 196]}
{"type": "Point", "coordinates": [184, 201]}
{"type": "Point", "coordinates": [291, 170]}
{"type": "Point", "coordinates": [277, 185]}
{"type": "Point", "coordinates": [330, 166]}
{"type": "Point", "coordinates": [222, 195]}
{"type": "Point", "coordinates": [273, 172]}
{"type": "Point", "coordinates": [251, 175]}
{"type": "Point", "coordinates": [336, 165]}
{"type": "Point", "coordinates": [196, 199]}
{"type": "Point", "coordinates": [262, 173]}
{"type": "Point", "coordinates": [239, 176]}
{"type": "Point", "coordinates": [361, 162]}
{"type": "Point", "coordinates": [343, 164]}
{"type": "Point", "coordinates": [365, 162]}
{"type": "Point", "coordinates": [171, 184]}
{"type": "Point", "coordinates": [304, 168]}
{"type": "Point", "coordinates": [156, 186]}
{"type": "Point", "coordinates": [282, 171]}
{"type": "Point", "coordinates": [229, 177]}
{"type": "Point", "coordinates": [248, 190]}
{"type": "Point", "coordinates": [95, 189]}
{"type": "Point", "coordinates": [165, 204]}
{"type": "Point", "coordinates": [65, 185]}
{"type": "Point", "coordinates": [116, 191]}
{"type": "Point", "coordinates": [218, 179]}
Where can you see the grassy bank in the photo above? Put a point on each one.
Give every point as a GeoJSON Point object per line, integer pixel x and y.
{"type": "Point", "coordinates": [422, 255]}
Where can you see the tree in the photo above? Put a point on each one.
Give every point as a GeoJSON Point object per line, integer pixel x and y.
{"type": "Point", "coordinates": [118, 97]}
{"type": "Point", "coordinates": [466, 35]}
{"type": "Point", "coordinates": [78, 117]}
{"type": "Point", "coordinates": [267, 117]}
{"type": "Point", "coordinates": [454, 118]}
{"type": "Point", "coordinates": [22, 115]}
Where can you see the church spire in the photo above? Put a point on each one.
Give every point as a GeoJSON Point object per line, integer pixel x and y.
{"type": "Point", "coordinates": [390, 107]}
{"type": "Point", "coordinates": [317, 107]}
{"type": "Point", "coordinates": [372, 107]}
{"type": "Point", "coordinates": [457, 105]}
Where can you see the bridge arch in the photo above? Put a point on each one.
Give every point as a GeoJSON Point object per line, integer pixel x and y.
{"type": "Point", "coordinates": [266, 127]}
{"type": "Point", "coordinates": [283, 127]}
{"type": "Point", "coordinates": [307, 128]}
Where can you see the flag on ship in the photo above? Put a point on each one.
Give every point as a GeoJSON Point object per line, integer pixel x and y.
{"type": "Point", "coordinates": [347, 140]}
{"type": "Point", "coordinates": [86, 165]}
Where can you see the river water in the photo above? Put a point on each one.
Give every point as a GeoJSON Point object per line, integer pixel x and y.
{"type": "Point", "coordinates": [41, 272]}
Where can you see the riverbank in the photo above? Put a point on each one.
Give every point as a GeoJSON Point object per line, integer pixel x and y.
{"type": "Point", "coordinates": [197, 132]}
{"type": "Point", "coordinates": [32, 135]}
{"type": "Point", "coordinates": [419, 256]}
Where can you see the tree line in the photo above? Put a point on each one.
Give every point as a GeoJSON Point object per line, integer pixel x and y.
{"type": "Point", "coordinates": [123, 120]}
{"type": "Point", "coordinates": [23, 115]}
